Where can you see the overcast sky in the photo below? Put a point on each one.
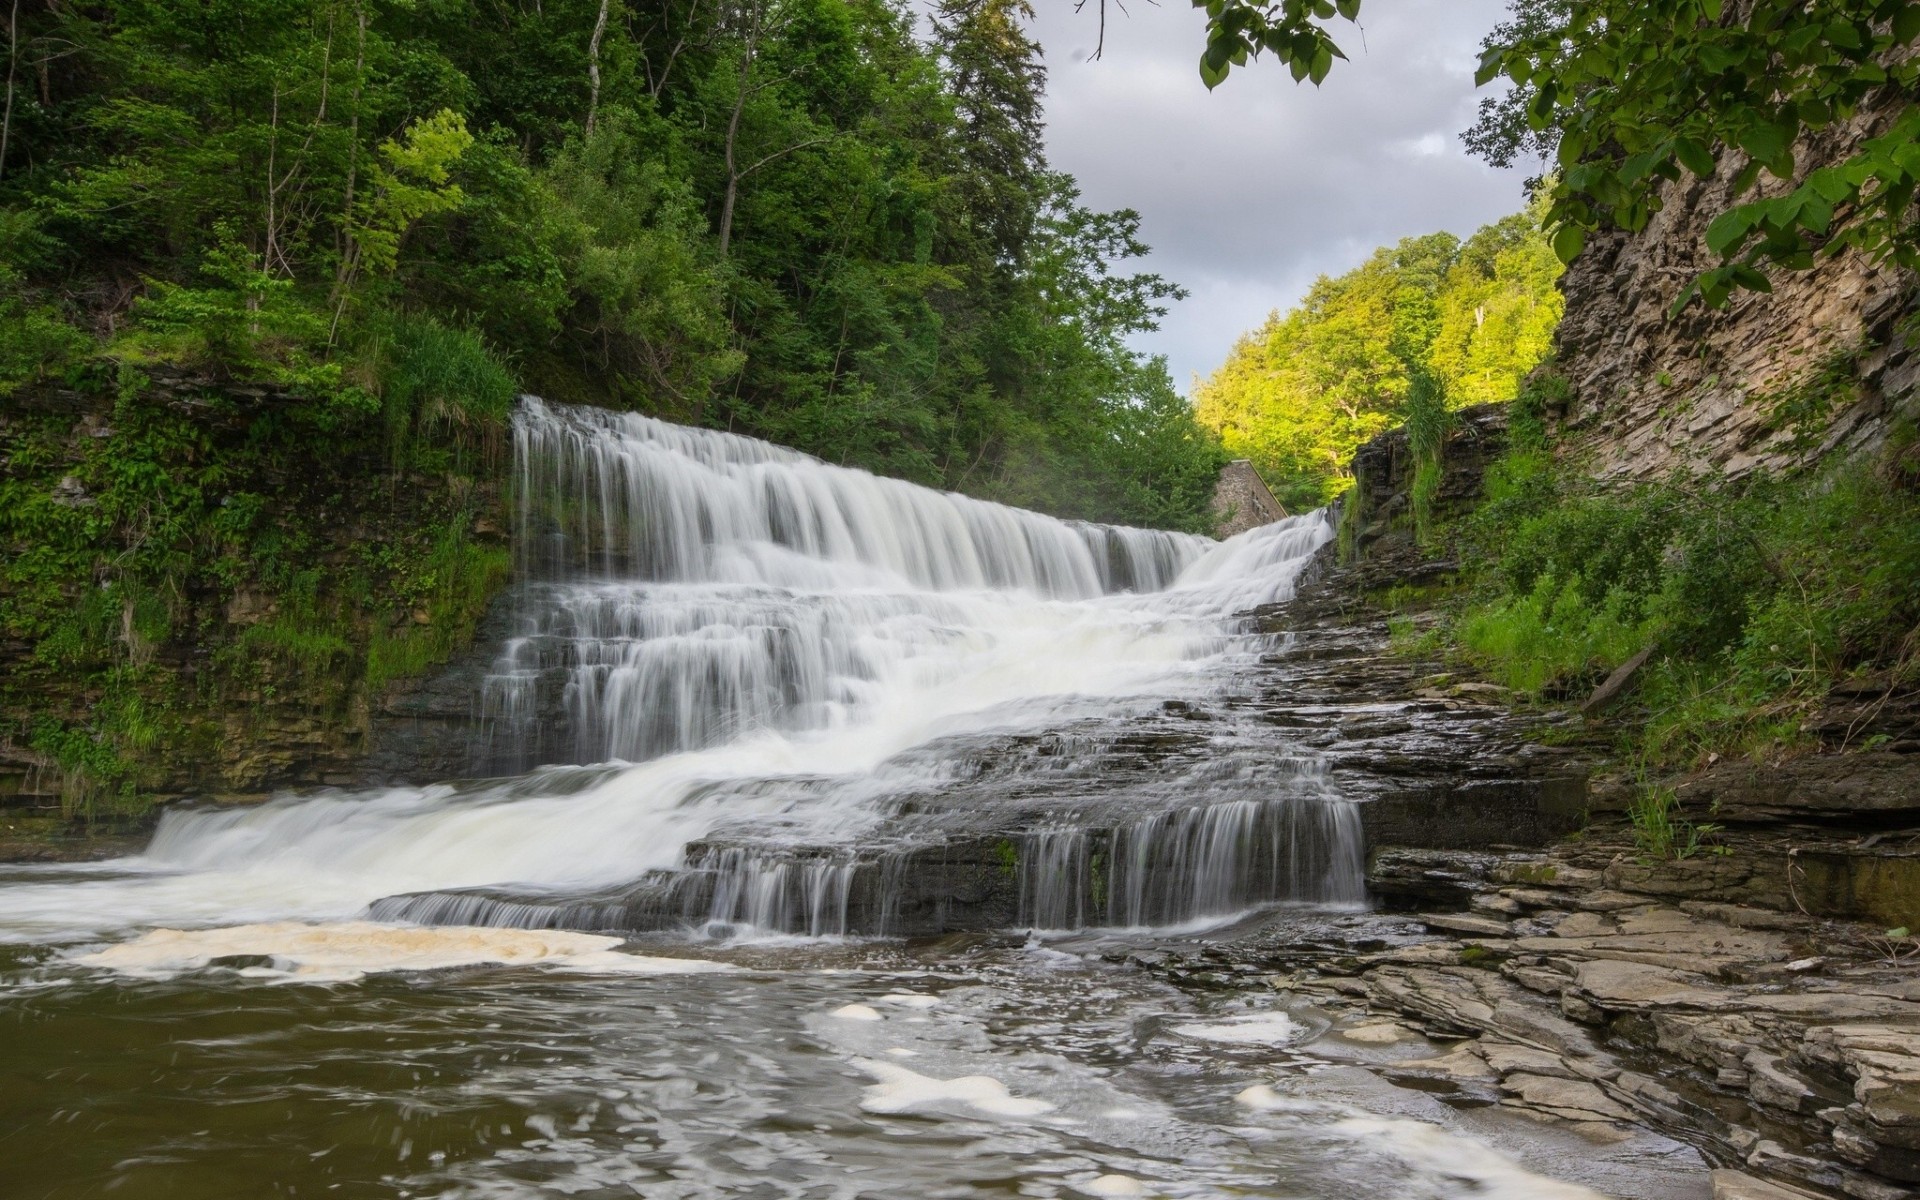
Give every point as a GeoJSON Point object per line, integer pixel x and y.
{"type": "Point", "coordinates": [1249, 192]}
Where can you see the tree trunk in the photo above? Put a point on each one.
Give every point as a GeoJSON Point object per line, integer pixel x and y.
{"type": "Point", "coordinates": [747, 50]}
{"type": "Point", "coordinates": [593, 66]}
{"type": "Point", "coordinates": [13, 64]}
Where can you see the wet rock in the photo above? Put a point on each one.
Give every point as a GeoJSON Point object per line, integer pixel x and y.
{"type": "Point", "coordinates": [1509, 1058]}
{"type": "Point", "coordinates": [1567, 1099]}
{"type": "Point", "coordinates": [1411, 877]}
{"type": "Point", "coordinates": [1738, 1185]}
{"type": "Point", "coordinates": [1472, 926]}
{"type": "Point", "coordinates": [1463, 1064]}
{"type": "Point", "coordinates": [1860, 787]}
{"type": "Point", "coordinates": [1772, 1085]}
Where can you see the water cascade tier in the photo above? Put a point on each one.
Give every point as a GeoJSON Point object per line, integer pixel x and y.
{"type": "Point", "coordinates": [751, 691]}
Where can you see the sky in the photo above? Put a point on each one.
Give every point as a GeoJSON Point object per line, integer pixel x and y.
{"type": "Point", "coordinates": [1249, 192]}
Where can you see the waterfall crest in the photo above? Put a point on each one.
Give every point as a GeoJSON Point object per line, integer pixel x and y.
{"type": "Point", "coordinates": [743, 679]}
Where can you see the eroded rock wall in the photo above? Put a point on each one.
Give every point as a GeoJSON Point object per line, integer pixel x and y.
{"type": "Point", "coordinates": [1743, 388]}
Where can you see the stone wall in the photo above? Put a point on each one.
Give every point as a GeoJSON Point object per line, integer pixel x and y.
{"type": "Point", "coordinates": [1714, 391]}
{"type": "Point", "coordinates": [1241, 500]}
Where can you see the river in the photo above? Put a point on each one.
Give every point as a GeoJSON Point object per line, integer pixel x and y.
{"type": "Point", "coordinates": [690, 931]}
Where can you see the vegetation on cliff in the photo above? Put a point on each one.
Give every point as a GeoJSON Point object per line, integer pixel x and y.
{"type": "Point", "coordinates": [196, 596]}
{"type": "Point", "coordinates": [1461, 322]}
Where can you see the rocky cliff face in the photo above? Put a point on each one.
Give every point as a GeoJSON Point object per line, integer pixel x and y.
{"type": "Point", "coordinates": [1825, 363]}
{"type": "Point", "coordinates": [205, 592]}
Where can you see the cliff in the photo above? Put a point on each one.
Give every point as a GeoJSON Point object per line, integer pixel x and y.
{"type": "Point", "coordinates": [1823, 364]}
{"type": "Point", "coordinates": [211, 588]}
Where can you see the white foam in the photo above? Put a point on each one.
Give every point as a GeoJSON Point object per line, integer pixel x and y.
{"type": "Point", "coordinates": [910, 999]}
{"type": "Point", "coordinates": [856, 1012]}
{"type": "Point", "coordinates": [1448, 1158]}
{"type": "Point", "coordinates": [1264, 1099]}
{"type": "Point", "coordinates": [1113, 1185]}
{"type": "Point", "coordinates": [347, 950]}
{"type": "Point", "coordinates": [902, 1091]}
{"type": "Point", "coordinates": [1272, 1028]}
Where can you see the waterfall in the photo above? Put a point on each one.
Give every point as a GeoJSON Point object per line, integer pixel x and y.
{"type": "Point", "coordinates": [683, 586]}
{"type": "Point", "coordinates": [734, 667]}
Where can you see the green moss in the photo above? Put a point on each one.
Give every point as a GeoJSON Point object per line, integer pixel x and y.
{"type": "Point", "coordinates": [1008, 856]}
{"type": "Point", "coordinates": [175, 565]}
{"type": "Point", "coordinates": [1481, 956]}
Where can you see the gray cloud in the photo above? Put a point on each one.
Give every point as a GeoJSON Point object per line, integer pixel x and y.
{"type": "Point", "coordinates": [1249, 192]}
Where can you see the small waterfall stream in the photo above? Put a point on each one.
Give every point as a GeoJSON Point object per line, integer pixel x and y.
{"type": "Point", "coordinates": [738, 675]}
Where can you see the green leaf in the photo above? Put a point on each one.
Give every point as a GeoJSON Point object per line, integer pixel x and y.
{"type": "Point", "coordinates": [1322, 63]}
{"type": "Point", "coordinates": [1830, 184]}
{"type": "Point", "coordinates": [1350, 9]}
{"type": "Point", "coordinates": [1716, 59]}
{"type": "Point", "coordinates": [1490, 62]}
{"type": "Point", "coordinates": [1685, 298]}
{"type": "Point", "coordinates": [1764, 142]}
{"type": "Point", "coordinates": [1750, 278]}
{"type": "Point", "coordinates": [1906, 24]}
{"type": "Point", "coordinates": [1210, 75]}
{"type": "Point", "coordinates": [1568, 240]}
{"type": "Point", "coordinates": [1730, 228]}
{"type": "Point", "coordinates": [1693, 156]}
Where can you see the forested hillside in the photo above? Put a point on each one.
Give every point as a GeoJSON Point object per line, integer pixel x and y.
{"type": "Point", "coordinates": [1464, 320]}
{"type": "Point", "coordinates": [793, 218]}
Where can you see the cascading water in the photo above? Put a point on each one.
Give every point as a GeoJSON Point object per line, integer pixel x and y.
{"type": "Point", "coordinates": [752, 692]}
{"type": "Point", "coordinates": [749, 639]}
{"type": "Point", "coordinates": [685, 587]}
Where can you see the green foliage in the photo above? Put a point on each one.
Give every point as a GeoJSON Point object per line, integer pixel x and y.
{"type": "Point", "coordinates": [178, 562]}
{"type": "Point", "coordinates": [1293, 31]}
{"type": "Point", "coordinates": [443, 599]}
{"type": "Point", "coordinates": [1637, 94]}
{"type": "Point", "coordinates": [1300, 394]}
{"type": "Point", "coordinates": [790, 218]}
{"type": "Point", "coordinates": [1660, 829]}
{"type": "Point", "coordinates": [1758, 598]}
{"type": "Point", "coordinates": [433, 376]}
{"type": "Point", "coordinates": [1805, 404]}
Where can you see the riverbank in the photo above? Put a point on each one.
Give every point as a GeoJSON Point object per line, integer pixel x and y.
{"type": "Point", "coordinates": [1752, 990]}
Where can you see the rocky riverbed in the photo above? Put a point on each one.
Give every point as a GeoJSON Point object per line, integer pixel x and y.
{"type": "Point", "coordinates": [1750, 999]}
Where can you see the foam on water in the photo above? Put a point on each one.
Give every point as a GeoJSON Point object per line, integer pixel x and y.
{"type": "Point", "coordinates": [899, 1090]}
{"type": "Point", "coordinates": [289, 951]}
{"type": "Point", "coordinates": [1266, 1029]}
{"type": "Point", "coordinates": [1447, 1160]}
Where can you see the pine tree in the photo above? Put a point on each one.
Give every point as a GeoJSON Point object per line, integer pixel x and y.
{"type": "Point", "coordinates": [997, 79]}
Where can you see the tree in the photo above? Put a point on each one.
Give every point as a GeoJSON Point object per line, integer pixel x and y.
{"type": "Point", "coordinates": [1466, 321]}
{"type": "Point", "coordinates": [997, 81]}
{"type": "Point", "coordinates": [1633, 95]}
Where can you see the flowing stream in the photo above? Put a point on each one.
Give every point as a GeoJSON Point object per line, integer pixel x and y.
{"type": "Point", "coordinates": [760, 716]}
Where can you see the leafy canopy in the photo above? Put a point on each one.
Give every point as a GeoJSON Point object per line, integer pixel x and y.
{"type": "Point", "coordinates": [1431, 319]}
{"type": "Point", "coordinates": [1634, 94]}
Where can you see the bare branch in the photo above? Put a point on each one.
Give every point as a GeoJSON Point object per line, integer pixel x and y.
{"type": "Point", "coordinates": [13, 64]}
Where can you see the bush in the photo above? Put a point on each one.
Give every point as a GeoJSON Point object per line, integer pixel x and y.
{"type": "Point", "coordinates": [1758, 597]}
